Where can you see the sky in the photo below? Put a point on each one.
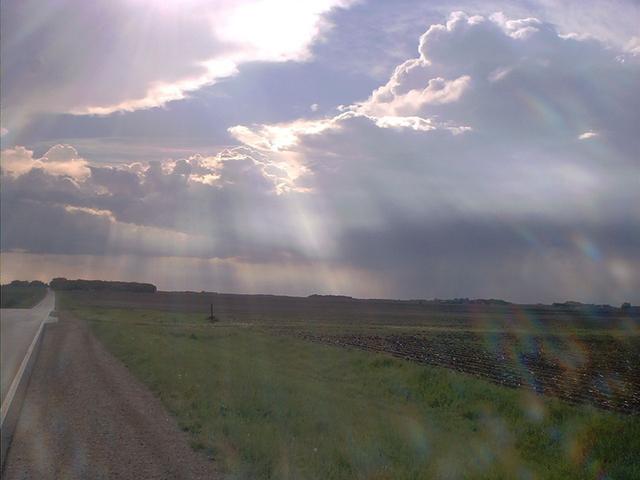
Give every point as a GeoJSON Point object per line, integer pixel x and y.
{"type": "Point", "coordinates": [405, 149]}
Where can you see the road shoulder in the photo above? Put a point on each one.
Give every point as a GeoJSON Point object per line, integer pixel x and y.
{"type": "Point", "coordinates": [86, 416]}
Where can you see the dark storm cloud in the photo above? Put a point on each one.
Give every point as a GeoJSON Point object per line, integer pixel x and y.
{"type": "Point", "coordinates": [407, 242]}
{"type": "Point", "coordinates": [522, 259]}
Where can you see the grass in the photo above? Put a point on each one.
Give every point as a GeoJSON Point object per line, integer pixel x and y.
{"type": "Point", "coordinates": [267, 406]}
{"type": "Point", "coordinates": [21, 297]}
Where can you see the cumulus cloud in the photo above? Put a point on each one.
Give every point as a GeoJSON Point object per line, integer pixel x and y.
{"type": "Point", "coordinates": [521, 88]}
{"type": "Point", "coordinates": [512, 73]}
{"type": "Point", "coordinates": [221, 206]}
{"type": "Point", "coordinates": [59, 160]}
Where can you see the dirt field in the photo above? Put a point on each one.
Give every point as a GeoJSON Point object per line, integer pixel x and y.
{"type": "Point", "coordinates": [598, 369]}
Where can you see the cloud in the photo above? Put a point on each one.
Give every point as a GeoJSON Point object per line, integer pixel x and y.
{"type": "Point", "coordinates": [229, 205]}
{"type": "Point", "coordinates": [587, 135]}
{"type": "Point", "coordinates": [516, 79]}
{"type": "Point", "coordinates": [524, 259]}
{"type": "Point", "coordinates": [59, 160]}
{"type": "Point", "coordinates": [515, 73]}
{"type": "Point", "coordinates": [438, 91]}
{"type": "Point", "coordinates": [145, 53]}
{"type": "Point", "coordinates": [612, 21]}
{"type": "Point", "coordinates": [633, 45]}
{"type": "Point", "coordinates": [280, 137]}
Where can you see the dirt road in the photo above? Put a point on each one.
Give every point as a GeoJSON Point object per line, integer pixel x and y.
{"type": "Point", "coordinates": [86, 416]}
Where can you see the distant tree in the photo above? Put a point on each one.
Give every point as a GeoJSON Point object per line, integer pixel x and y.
{"type": "Point", "coordinates": [26, 283]}
{"type": "Point", "coordinates": [59, 283]}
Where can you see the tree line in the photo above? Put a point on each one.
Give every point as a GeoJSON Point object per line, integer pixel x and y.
{"type": "Point", "coordinates": [61, 283]}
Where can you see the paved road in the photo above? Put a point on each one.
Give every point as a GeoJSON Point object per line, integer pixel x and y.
{"type": "Point", "coordinates": [18, 327]}
{"type": "Point", "coordinates": [86, 416]}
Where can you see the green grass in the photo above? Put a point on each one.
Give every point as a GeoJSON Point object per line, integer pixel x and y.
{"type": "Point", "coordinates": [21, 297]}
{"type": "Point", "coordinates": [268, 406]}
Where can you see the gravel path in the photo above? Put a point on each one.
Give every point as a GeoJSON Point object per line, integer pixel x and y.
{"type": "Point", "coordinates": [86, 416]}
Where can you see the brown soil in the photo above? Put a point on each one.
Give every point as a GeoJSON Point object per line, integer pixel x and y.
{"type": "Point", "coordinates": [592, 369]}
{"type": "Point", "coordinates": [86, 416]}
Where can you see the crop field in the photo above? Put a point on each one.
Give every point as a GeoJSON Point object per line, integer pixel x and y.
{"type": "Point", "coordinates": [599, 369]}
{"type": "Point", "coordinates": [345, 312]}
{"type": "Point", "coordinates": [283, 387]}
{"type": "Point", "coordinates": [573, 355]}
